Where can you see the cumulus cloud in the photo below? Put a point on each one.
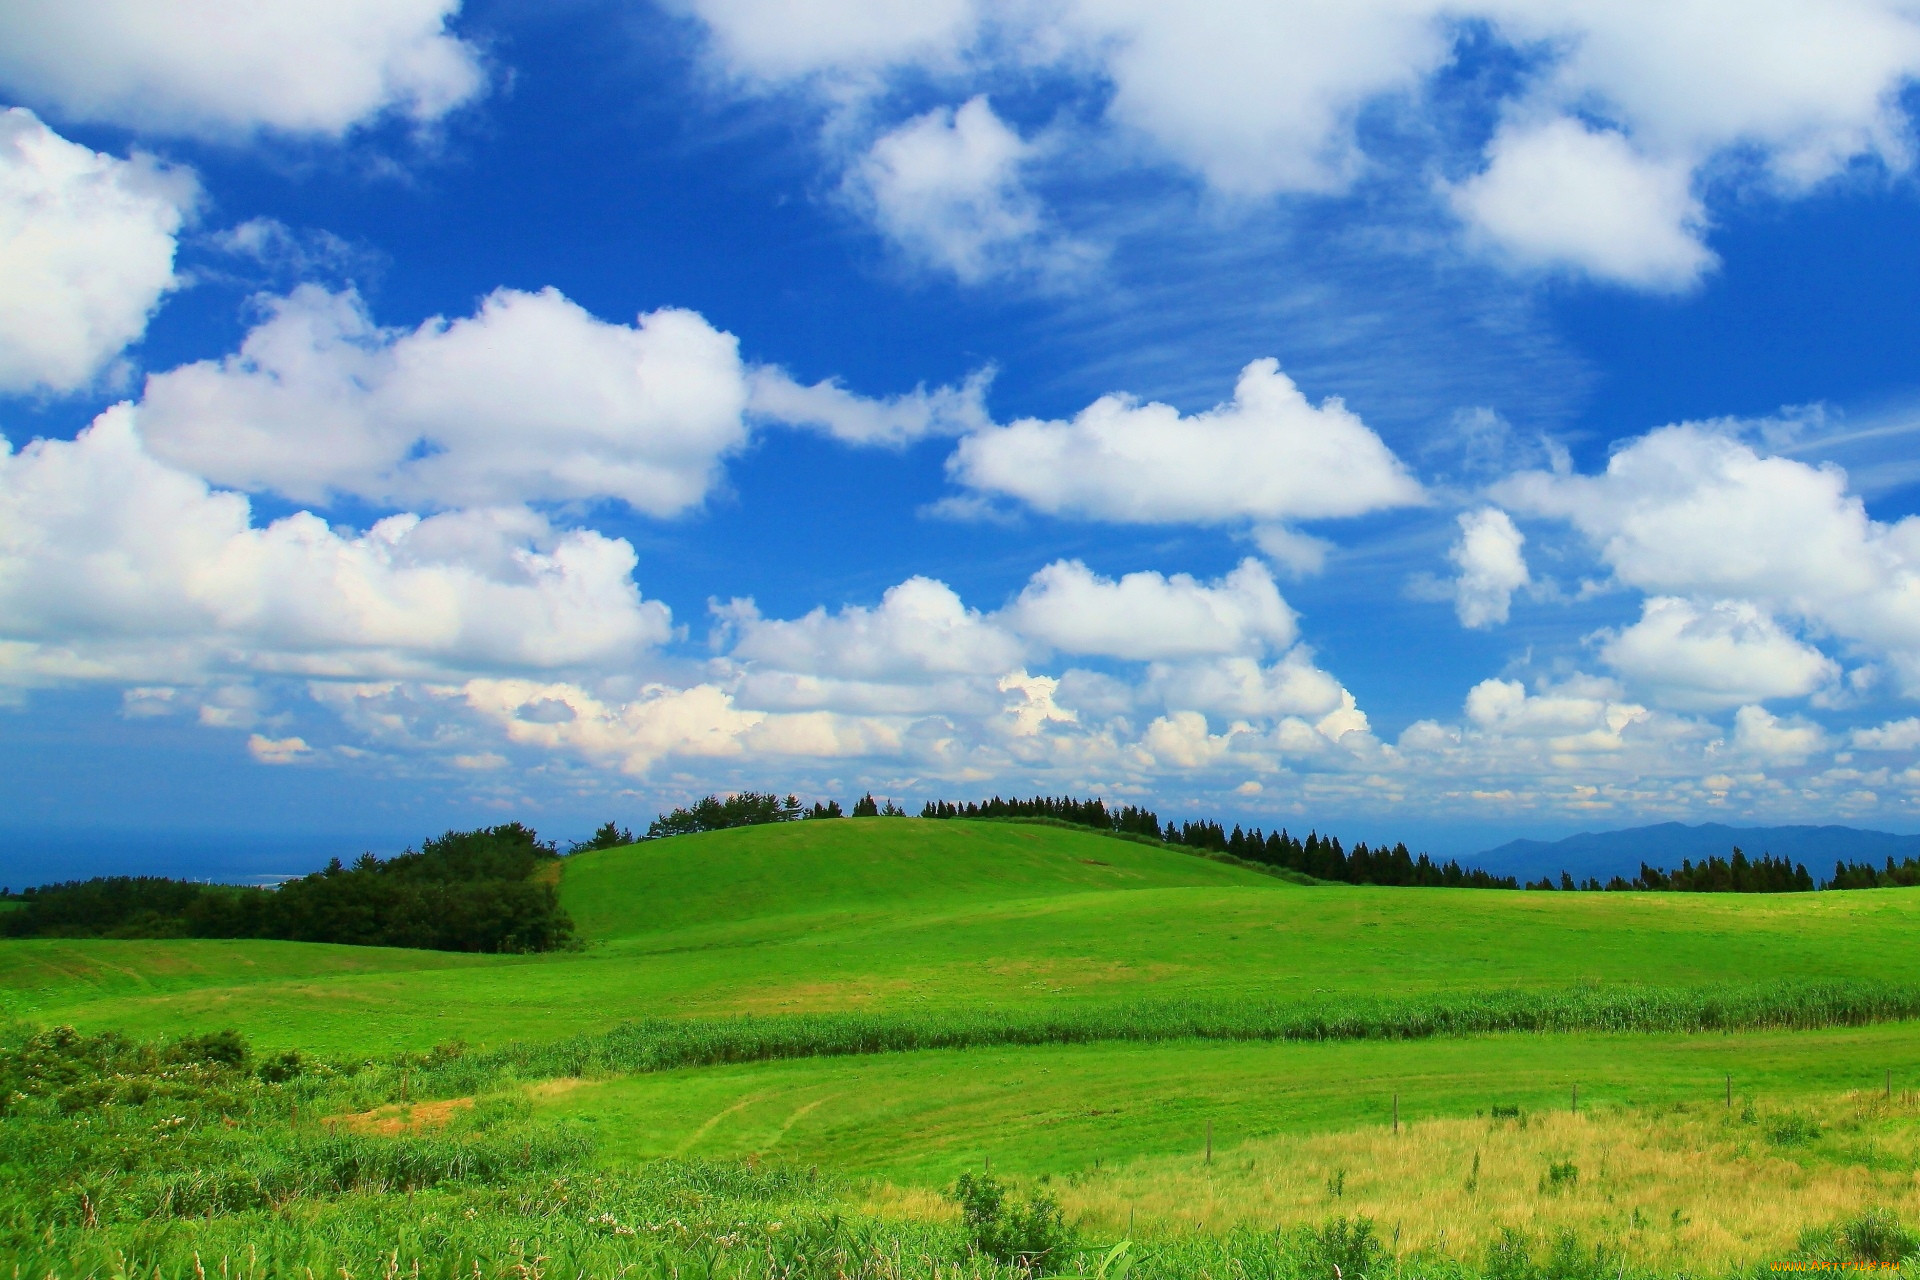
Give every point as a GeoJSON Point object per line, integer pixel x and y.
{"type": "Point", "coordinates": [1894, 735]}
{"type": "Point", "coordinates": [1697, 513]}
{"type": "Point", "coordinates": [1561, 195]}
{"type": "Point", "coordinates": [86, 252]}
{"type": "Point", "coordinates": [920, 628]}
{"type": "Point", "coordinates": [116, 566]}
{"type": "Point", "coordinates": [1488, 556]}
{"type": "Point", "coordinates": [218, 69]}
{"type": "Point", "coordinates": [1267, 456]}
{"type": "Point", "coordinates": [1758, 732]}
{"type": "Point", "coordinates": [1144, 616]}
{"type": "Point", "coordinates": [946, 187]}
{"type": "Point", "coordinates": [530, 399]}
{"type": "Point", "coordinates": [1624, 108]}
{"type": "Point", "coordinates": [1719, 654]}
{"type": "Point", "coordinates": [855, 419]}
{"type": "Point", "coordinates": [1244, 688]}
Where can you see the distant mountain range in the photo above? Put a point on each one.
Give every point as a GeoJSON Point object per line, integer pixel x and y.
{"type": "Point", "coordinates": [1609, 853]}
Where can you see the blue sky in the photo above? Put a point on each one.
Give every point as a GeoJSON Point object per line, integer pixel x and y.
{"type": "Point", "coordinates": [1439, 422]}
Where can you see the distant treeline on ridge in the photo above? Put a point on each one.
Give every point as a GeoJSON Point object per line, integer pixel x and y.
{"type": "Point", "coordinates": [462, 891]}
{"type": "Point", "coordinates": [1321, 857]}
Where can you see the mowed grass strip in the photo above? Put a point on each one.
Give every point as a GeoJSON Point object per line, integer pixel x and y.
{"type": "Point", "coordinates": [663, 1045]}
{"type": "Point", "coordinates": [922, 1118]}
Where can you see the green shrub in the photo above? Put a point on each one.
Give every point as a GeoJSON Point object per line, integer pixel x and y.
{"type": "Point", "coordinates": [1348, 1244]}
{"type": "Point", "coordinates": [1031, 1234]}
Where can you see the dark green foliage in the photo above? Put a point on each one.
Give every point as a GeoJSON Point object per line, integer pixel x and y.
{"type": "Point", "coordinates": [1348, 1244]}
{"type": "Point", "coordinates": [866, 807]}
{"type": "Point", "coordinates": [1864, 875]}
{"type": "Point", "coordinates": [1030, 1233]}
{"type": "Point", "coordinates": [711, 813]}
{"type": "Point", "coordinates": [1792, 1130]}
{"type": "Point", "coordinates": [1560, 1175]}
{"type": "Point", "coordinates": [1874, 1236]}
{"type": "Point", "coordinates": [461, 891]}
{"type": "Point", "coordinates": [831, 809]}
{"type": "Point", "coordinates": [1317, 857]}
{"type": "Point", "coordinates": [610, 835]}
{"type": "Point", "coordinates": [1737, 874]}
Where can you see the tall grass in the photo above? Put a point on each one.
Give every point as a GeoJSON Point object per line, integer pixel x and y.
{"type": "Point", "coordinates": [665, 1044]}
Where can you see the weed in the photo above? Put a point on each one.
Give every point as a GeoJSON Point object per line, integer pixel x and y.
{"type": "Point", "coordinates": [1560, 1175]}
{"type": "Point", "coordinates": [1341, 1246]}
{"type": "Point", "coordinates": [1792, 1130]}
{"type": "Point", "coordinates": [1031, 1234]}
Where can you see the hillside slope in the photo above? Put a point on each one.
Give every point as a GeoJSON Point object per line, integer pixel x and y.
{"type": "Point", "coordinates": [901, 915]}
{"type": "Point", "coordinates": [864, 866]}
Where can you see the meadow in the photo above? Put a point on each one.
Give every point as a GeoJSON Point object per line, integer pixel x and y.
{"type": "Point", "coordinates": [829, 1022]}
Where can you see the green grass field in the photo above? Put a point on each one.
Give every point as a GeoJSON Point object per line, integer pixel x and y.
{"type": "Point", "coordinates": [908, 919]}
{"type": "Point", "coordinates": [901, 914]}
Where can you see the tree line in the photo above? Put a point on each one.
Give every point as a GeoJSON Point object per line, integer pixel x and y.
{"type": "Point", "coordinates": [1322, 857]}
{"type": "Point", "coordinates": [462, 891]}
{"type": "Point", "coordinates": [1318, 856]}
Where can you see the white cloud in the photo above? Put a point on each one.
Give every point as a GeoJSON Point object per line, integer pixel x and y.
{"type": "Point", "coordinates": [1300, 554]}
{"type": "Point", "coordinates": [919, 629]}
{"type": "Point", "coordinates": [1561, 195]}
{"type": "Point", "coordinates": [86, 253]}
{"type": "Point", "coordinates": [946, 187]}
{"type": "Point", "coordinates": [1760, 733]}
{"type": "Point", "coordinates": [277, 750]}
{"type": "Point", "coordinates": [1243, 688]}
{"type": "Point", "coordinates": [1895, 735]}
{"type": "Point", "coordinates": [1693, 512]}
{"type": "Point", "coordinates": [215, 68]}
{"type": "Point", "coordinates": [531, 399]}
{"type": "Point", "coordinates": [1267, 456]}
{"type": "Point", "coordinates": [701, 721]}
{"type": "Point", "coordinates": [1265, 98]}
{"type": "Point", "coordinates": [855, 419]}
{"type": "Point", "coordinates": [1488, 556]}
{"type": "Point", "coordinates": [1721, 654]}
{"type": "Point", "coordinates": [115, 566]}
{"type": "Point", "coordinates": [1145, 616]}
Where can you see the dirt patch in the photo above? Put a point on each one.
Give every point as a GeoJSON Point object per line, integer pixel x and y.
{"type": "Point", "coordinates": [401, 1117]}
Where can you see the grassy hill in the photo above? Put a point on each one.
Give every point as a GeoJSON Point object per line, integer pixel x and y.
{"type": "Point", "coordinates": [901, 914]}
{"type": "Point", "coordinates": [868, 866]}
{"type": "Point", "coordinates": [887, 923]}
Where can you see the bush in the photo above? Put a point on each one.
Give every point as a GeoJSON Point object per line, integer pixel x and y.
{"type": "Point", "coordinates": [1347, 1244]}
{"type": "Point", "coordinates": [1876, 1235]}
{"type": "Point", "coordinates": [1032, 1234]}
{"type": "Point", "coordinates": [747, 809]}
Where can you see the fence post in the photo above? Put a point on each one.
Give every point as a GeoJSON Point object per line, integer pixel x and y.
{"type": "Point", "coordinates": [1576, 1100]}
{"type": "Point", "coordinates": [1396, 1113]}
{"type": "Point", "coordinates": [1729, 1092]}
{"type": "Point", "coordinates": [1209, 1142]}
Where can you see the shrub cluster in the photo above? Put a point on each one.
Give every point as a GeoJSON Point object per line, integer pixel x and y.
{"type": "Point", "coordinates": [713, 813]}
{"type": "Point", "coordinates": [462, 891]}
